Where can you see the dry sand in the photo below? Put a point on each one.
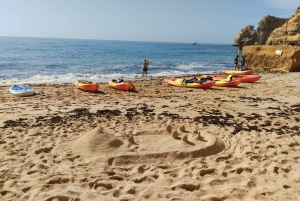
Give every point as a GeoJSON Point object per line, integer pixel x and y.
{"type": "Point", "coordinates": [160, 143]}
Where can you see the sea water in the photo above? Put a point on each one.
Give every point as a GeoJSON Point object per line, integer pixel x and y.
{"type": "Point", "coordinates": [49, 60]}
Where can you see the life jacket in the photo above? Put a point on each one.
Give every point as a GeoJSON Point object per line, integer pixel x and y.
{"type": "Point", "coordinates": [242, 62]}
{"type": "Point", "coordinates": [184, 81]}
{"type": "Point", "coordinates": [229, 78]}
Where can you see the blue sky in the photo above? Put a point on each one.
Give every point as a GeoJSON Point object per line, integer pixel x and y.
{"type": "Point", "coordinates": [206, 21]}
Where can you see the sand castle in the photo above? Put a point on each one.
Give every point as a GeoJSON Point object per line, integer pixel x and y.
{"type": "Point", "coordinates": [175, 145]}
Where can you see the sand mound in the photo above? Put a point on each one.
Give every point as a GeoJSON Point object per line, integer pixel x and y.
{"type": "Point", "coordinates": [95, 142]}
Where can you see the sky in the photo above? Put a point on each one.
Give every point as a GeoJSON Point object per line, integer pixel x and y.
{"type": "Point", "coordinates": [201, 21]}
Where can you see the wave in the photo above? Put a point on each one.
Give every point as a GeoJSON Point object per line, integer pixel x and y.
{"type": "Point", "coordinates": [94, 77]}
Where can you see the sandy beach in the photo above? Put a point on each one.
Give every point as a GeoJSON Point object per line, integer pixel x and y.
{"type": "Point", "coordinates": [159, 143]}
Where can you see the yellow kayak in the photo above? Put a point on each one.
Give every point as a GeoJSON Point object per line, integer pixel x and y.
{"type": "Point", "coordinates": [238, 72]}
{"type": "Point", "coordinates": [180, 83]}
{"type": "Point", "coordinates": [224, 81]}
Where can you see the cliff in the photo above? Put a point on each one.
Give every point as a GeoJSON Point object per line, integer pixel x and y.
{"type": "Point", "coordinates": [264, 58]}
{"type": "Point", "coordinates": [246, 36]}
{"type": "Point", "coordinates": [250, 36]}
{"type": "Point", "coordinates": [288, 33]}
{"type": "Point", "coordinates": [266, 26]}
{"type": "Point", "coordinates": [280, 44]}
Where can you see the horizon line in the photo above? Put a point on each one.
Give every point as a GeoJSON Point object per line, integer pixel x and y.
{"type": "Point", "coordinates": [111, 40]}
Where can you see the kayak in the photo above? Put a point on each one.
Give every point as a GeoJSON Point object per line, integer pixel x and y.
{"type": "Point", "coordinates": [124, 86]}
{"type": "Point", "coordinates": [237, 72]}
{"type": "Point", "coordinates": [180, 83]}
{"type": "Point", "coordinates": [21, 90]}
{"type": "Point", "coordinates": [224, 83]}
{"type": "Point", "coordinates": [243, 78]}
{"type": "Point", "coordinates": [87, 85]}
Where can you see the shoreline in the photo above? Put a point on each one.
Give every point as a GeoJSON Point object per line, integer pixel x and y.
{"type": "Point", "coordinates": [125, 78]}
{"type": "Point", "coordinates": [159, 143]}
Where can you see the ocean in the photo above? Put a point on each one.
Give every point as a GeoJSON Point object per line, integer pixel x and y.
{"type": "Point", "coordinates": [47, 60]}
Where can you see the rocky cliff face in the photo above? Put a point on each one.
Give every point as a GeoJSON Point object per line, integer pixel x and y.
{"type": "Point", "coordinates": [249, 36]}
{"type": "Point", "coordinates": [264, 58]}
{"type": "Point", "coordinates": [282, 49]}
{"type": "Point", "coordinates": [246, 36]}
{"type": "Point", "coordinates": [288, 33]}
{"type": "Point", "coordinates": [266, 26]}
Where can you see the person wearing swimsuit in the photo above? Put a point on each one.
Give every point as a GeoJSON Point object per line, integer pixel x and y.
{"type": "Point", "coordinates": [145, 69]}
{"type": "Point", "coordinates": [236, 63]}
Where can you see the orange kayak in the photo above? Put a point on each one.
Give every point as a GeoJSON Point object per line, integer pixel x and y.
{"type": "Point", "coordinates": [124, 86]}
{"type": "Point", "coordinates": [87, 85]}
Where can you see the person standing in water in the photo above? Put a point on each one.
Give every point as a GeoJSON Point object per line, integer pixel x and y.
{"type": "Point", "coordinates": [145, 67]}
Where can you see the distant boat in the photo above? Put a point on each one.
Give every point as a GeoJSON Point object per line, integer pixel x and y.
{"type": "Point", "coordinates": [195, 43]}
